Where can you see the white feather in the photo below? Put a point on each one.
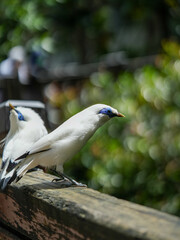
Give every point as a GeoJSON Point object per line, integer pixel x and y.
{"type": "Point", "coordinates": [21, 136]}
{"type": "Point", "coordinates": [64, 142]}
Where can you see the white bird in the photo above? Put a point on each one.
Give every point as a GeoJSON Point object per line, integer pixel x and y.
{"type": "Point", "coordinates": [64, 142]}
{"type": "Point", "coordinates": [26, 127]}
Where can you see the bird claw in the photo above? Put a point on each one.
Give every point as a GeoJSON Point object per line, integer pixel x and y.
{"type": "Point", "coordinates": [77, 184]}
{"type": "Point", "coordinates": [58, 180]}
{"type": "Point", "coordinates": [80, 185]}
{"type": "Point", "coordinates": [73, 182]}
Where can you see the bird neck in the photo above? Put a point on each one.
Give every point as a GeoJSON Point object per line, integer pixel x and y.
{"type": "Point", "coordinates": [94, 123]}
{"type": "Point", "coordinates": [15, 126]}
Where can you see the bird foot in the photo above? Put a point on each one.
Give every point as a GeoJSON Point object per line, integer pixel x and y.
{"type": "Point", "coordinates": [77, 184]}
{"type": "Point", "coordinates": [72, 181]}
{"type": "Point", "coordinates": [62, 183]}
{"type": "Point", "coordinates": [58, 180]}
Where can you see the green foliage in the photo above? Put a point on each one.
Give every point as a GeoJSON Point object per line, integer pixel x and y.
{"type": "Point", "coordinates": [87, 29]}
{"type": "Point", "coordinates": [136, 158]}
{"type": "Point", "coordinates": [21, 24]}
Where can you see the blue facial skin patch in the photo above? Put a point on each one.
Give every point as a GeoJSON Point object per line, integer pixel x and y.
{"type": "Point", "coordinates": [107, 111]}
{"type": "Point", "coordinates": [20, 116]}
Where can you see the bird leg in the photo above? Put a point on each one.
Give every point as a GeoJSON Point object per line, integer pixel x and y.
{"type": "Point", "coordinates": [65, 177]}
{"type": "Point", "coordinates": [37, 168]}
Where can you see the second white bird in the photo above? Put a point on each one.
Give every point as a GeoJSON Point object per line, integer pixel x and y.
{"type": "Point", "coordinates": [26, 127]}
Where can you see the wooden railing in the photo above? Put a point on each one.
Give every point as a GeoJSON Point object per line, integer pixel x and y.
{"type": "Point", "coordinates": [36, 208]}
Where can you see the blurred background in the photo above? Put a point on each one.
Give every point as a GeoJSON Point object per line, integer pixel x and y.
{"type": "Point", "coordinates": [71, 54]}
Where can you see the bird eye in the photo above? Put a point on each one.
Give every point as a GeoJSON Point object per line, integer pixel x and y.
{"type": "Point", "coordinates": [106, 111]}
{"type": "Point", "coordinates": [20, 117]}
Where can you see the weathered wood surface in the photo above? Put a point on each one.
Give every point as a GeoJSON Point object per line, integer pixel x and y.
{"type": "Point", "coordinates": [5, 234]}
{"type": "Point", "coordinates": [40, 209]}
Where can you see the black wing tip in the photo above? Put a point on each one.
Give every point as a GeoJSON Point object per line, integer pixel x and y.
{"type": "Point", "coordinates": [11, 166]}
{"type": "Point", "coordinates": [8, 180]}
{"type": "Point", "coordinates": [22, 156]}
{"type": "Point", "coordinates": [4, 182]}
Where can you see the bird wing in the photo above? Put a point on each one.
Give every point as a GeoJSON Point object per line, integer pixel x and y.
{"type": "Point", "coordinates": [2, 142]}
{"type": "Point", "coordinates": [20, 164]}
{"type": "Point", "coordinates": [43, 144]}
{"type": "Point", "coordinates": [3, 162]}
{"type": "Point", "coordinates": [25, 161]}
{"type": "Point", "coordinates": [4, 157]}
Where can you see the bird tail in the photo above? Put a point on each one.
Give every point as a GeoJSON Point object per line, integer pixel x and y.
{"type": "Point", "coordinates": [22, 168]}
{"type": "Point", "coordinates": [6, 179]}
{"type": "Point", "coordinates": [7, 173]}
{"type": "Point", "coordinates": [3, 170]}
{"type": "Point", "coordinates": [13, 170]}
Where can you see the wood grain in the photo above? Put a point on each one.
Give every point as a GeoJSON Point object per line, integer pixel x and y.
{"type": "Point", "coordinates": [40, 209]}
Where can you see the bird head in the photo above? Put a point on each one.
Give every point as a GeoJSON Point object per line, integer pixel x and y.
{"type": "Point", "coordinates": [105, 111]}
{"type": "Point", "coordinates": [110, 112]}
{"type": "Point", "coordinates": [22, 115]}
{"type": "Point", "coordinates": [101, 113]}
{"type": "Point", "coordinates": [16, 113]}
{"type": "Point", "coordinates": [91, 118]}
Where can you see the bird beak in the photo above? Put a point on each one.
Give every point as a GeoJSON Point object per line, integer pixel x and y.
{"type": "Point", "coordinates": [120, 115]}
{"type": "Point", "coordinates": [11, 106]}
